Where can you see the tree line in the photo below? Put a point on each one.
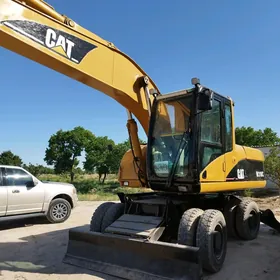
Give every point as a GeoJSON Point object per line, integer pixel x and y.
{"type": "Point", "coordinates": [103, 155]}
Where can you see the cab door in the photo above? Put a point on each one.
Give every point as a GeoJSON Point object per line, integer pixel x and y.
{"type": "Point", "coordinates": [3, 196]}
{"type": "Point", "coordinates": [230, 155]}
{"type": "Point", "coordinates": [211, 143]}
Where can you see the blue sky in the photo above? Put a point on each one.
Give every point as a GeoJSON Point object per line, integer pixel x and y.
{"type": "Point", "coordinates": [232, 46]}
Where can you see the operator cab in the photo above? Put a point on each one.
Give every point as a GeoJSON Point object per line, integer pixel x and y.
{"type": "Point", "coordinates": [188, 130]}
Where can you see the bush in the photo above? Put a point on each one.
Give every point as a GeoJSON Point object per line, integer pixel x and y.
{"type": "Point", "coordinates": [246, 193]}
{"type": "Point", "coordinates": [84, 187]}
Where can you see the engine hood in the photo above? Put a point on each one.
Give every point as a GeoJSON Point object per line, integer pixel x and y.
{"type": "Point", "coordinates": [55, 184]}
{"type": "Point", "coordinates": [253, 154]}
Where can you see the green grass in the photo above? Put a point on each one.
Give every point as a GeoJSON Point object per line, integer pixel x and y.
{"type": "Point", "coordinates": [248, 193]}
{"type": "Point", "coordinates": [89, 188]}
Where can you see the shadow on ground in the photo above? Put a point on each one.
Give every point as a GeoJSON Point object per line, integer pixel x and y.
{"type": "Point", "coordinates": [42, 253]}
{"type": "Point", "coordinates": [5, 225]}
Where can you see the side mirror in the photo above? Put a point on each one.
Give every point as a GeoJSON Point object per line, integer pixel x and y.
{"type": "Point", "coordinates": [205, 99]}
{"type": "Point", "coordinates": [30, 184]}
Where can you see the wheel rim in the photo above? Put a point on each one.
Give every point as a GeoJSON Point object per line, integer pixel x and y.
{"type": "Point", "coordinates": [59, 211]}
{"type": "Point", "coordinates": [218, 241]}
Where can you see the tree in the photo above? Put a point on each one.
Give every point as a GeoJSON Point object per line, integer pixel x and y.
{"type": "Point", "coordinates": [38, 169]}
{"type": "Point", "coordinates": [8, 158]}
{"type": "Point", "coordinates": [99, 157]}
{"type": "Point", "coordinates": [272, 166]}
{"type": "Point", "coordinates": [104, 160]}
{"type": "Point", "coordinates": [64, 149]}
{"type": "Point", "coordinates": [118, 153]}
{"type": "Point", "coordinates": [248, 136]}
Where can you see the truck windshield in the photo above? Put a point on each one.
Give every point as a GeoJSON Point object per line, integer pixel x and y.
{"type": "Point", "coordinates": [171, 121]}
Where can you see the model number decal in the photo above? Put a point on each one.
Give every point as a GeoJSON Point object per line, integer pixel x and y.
{"type": "Point", "coordinates": [240, 174]}
{"type": "Point", "coordinates": [259, 174]}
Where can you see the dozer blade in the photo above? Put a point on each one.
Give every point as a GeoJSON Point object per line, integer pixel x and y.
{"type": "Point", "coordinates": [268, 218]}
{"type": "Point", "coordinates": [131, 258]}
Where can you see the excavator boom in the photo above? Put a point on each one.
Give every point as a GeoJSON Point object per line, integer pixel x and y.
{"type": "Point", "coordinates": [35, 30]}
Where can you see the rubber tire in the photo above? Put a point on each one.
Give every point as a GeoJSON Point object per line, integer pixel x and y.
{"type": "Point", "coordinates": [188, 226]}
{"type": "Point", "coordinates": [230, 217]}
{"type": "Point", "coordinates": [204, 239]}
{"type": "Point", "coordinates": [97, 216]}
{"type": "Point", "coordinates": [49, 216]}
{"type": "Point", "coordinates": [112, 214]}
{"type": "Point", "coordinates": [243, 211]}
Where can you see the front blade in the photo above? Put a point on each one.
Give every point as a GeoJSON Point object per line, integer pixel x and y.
{"type": "Point", "coordinates": [131, 258]}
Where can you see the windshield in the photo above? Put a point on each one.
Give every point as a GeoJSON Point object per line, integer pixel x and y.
{"type": "Point", "coordinates": [171, 121]}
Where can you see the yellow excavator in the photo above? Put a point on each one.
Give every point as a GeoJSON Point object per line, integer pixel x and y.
{"type": "Point", "coordinates": [191, 163]}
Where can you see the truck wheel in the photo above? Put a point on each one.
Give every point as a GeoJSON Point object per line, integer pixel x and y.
{"type": "Point", "coordinates": [112, 214]}
{"type": "Point", "coordinates": [230, 217]}
{"type": "Point", "coordinates": [97, 217]}
{"type": "Point", "coordinates": [211, 238]}
{"type": "Point", "coordinates": [248, 219]}
{"type": "Point", "coordinates": [59, 210]}
{"type": "Point", "coordinates": [188, 226]}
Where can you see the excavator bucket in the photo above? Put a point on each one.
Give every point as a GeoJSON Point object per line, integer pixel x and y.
{"type": "Point", "coordinates": [268, 218]}
{"type": "Point", "coordinates": [131, 258]}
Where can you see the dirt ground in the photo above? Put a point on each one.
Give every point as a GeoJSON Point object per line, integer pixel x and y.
{"type": "Point", "coordinates": [33, 250]}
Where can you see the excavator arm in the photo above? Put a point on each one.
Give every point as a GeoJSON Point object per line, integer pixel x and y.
{"type": "Point", "coordinates": [34, 29]}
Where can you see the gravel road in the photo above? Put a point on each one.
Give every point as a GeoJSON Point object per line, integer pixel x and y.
{"type": "Point", "coordinates": [33, 250]}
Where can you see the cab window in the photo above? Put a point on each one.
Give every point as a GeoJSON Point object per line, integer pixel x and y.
{"type": "Point", "coordinates": [211, 124]}
{"type": "Point", "coordinates": [210, 134]}
{"type": "Point", "coordinates": [228, 121]}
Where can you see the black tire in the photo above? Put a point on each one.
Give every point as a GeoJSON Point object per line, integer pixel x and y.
{"type": "Point", "coordinates": [59, 211]}
{"type": "Point", "coordinates": [230, 217]}
{"type": "Point", "coordinates": [248, 219]}
{"type": "Point", "coordinates": [97, 216]}
{"type": "Point", "coordinates": [112, 214]}
{"type": "Point", "coordinates": [212, 221]}
{"type": "Point", "coordinates": [188, 226]}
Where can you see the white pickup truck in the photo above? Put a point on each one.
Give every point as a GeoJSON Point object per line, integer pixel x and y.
{"type": "Point", "coordinates": [22, 195]}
